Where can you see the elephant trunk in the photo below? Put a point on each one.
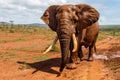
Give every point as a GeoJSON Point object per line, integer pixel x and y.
{"type": "Point", "coordinates": [65, 39]}
{"type": "Point", "coordinates": [64, 44]}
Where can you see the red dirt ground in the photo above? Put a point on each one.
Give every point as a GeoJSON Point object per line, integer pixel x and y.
{"type": "Point", "coordinates": [20, 60]}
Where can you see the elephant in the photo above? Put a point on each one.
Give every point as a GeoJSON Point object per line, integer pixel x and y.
{"type": "Point", "coordinates": [69, 22]}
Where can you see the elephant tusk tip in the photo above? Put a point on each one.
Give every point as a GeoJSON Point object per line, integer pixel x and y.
{"type": "Point", "coordinates": [48, 49]}
{"type": "Point", "coordinates": [44, 53]}
{"type": "Point", "coordinates": [74, 50]}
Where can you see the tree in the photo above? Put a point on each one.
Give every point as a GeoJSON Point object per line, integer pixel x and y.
{"type": "Point", "coordinates": [11, 23]}
{"type": "Point", "coordinates": [3, 24]}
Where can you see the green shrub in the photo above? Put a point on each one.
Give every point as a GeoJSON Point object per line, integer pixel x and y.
{"type": "Point", "coordinates": [11, 31]}
{"type": "Point", "coordinates": [41, 57]}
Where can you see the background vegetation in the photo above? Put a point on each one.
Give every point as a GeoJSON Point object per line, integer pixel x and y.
{"type": "Point", "coordinates": [105, 30]}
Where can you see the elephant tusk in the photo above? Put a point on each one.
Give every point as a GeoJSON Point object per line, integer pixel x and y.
{"type": "Point", "coordinates": [74, 43]}
{"type": "Point", "coordinates": [50, 47]}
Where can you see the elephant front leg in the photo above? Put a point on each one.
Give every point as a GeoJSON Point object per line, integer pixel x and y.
{"type": "Point", "coordinates": [73, 61]}
{"type": "Point", "coordinates": [80, 53]}
{"type": "Point", "coordinates": [80, 43]}
{"type": "Point", "coordinates": [73, 58]}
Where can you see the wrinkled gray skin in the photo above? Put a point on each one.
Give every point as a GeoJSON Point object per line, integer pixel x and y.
{"type": "Point", "coordinates": [66, 20]}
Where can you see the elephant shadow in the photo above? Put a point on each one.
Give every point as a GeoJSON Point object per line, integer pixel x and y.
{"type": "Point", "coordinates": [45, 66]}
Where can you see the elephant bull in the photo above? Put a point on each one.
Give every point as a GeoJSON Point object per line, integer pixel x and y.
{"type": "Point", "coordinates": [75, 25]}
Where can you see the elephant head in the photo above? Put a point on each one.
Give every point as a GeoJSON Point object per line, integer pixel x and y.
{"type": "Point", "coordinates": [64, 20]}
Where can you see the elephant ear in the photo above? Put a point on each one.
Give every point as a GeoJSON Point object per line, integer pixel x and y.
{"type": "Point", "coordinates": [49, 17]}
{"type": "Point", "coordinates": [87, 15]}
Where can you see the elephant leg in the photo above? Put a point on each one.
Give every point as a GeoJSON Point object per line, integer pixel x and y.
{"type": "Point", "coordinates": [80, 43]}
{"type": "Point", "coordinates": [73, 58]}
{"type": "Point", "coordinates": [95, 49]}
{"type": "Point", "coordinates": [73, 61]}
{"type": "Point", "coordinates": [80, 53]}
{"type": "Point", "coordinates": [90, 56]}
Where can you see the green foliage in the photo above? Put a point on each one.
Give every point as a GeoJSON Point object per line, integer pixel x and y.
{"type": "Point", "coordinates": [23, 65]}
{"type": "Point", "coordinates": [26, 49]}
{"type": "Point", "coordinates": [4, 41]}
{"type": "Point", "coordinates": [41, 57]}
{"type": "Point", "coordinates": [104, 33]}
{"type": "Point", "coordinates": [14, 40]}
{"type": "Point", "coordinates": [47, 32]}
{"type": "Point", "coordinates": [30, 48]}
{"type": "Point", "coordinates": [105, 30]}
{"type": "Point", "coordinates": [11, 54]}
{"type": "Point", "coordinates": [18, 39]}
{"type": "Point", "coordinates": [11, 31]}
{"type": "Point", "coordinates": [55, 48]}
{"type": "Point", "coordinates": [8, 55]}
{"type": "Point", "coordinates": [110, 27]}
{"type": "Point", "coordinates": [110, 32]}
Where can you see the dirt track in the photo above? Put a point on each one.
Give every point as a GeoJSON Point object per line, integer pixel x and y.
{"type": "Point", "coordinates": [23, 65]}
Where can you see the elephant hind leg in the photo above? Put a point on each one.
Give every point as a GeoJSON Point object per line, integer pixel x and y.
{"type": "Point", "coordinates": [95, 49]}
{"type": "Point", "coordinates": [90, 57]}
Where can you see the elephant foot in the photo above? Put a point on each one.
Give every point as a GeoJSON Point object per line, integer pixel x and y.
{"type": "Point", "coordinates": [62, 67]}
{"type": "Point", "coordinates": [71, 66]}
{"type": "Point", "coordinates": [90, 59]}
{"type": "Point", "coordinates": [77, 61]}
{"type": "Point", "coordinates": [81, 59]}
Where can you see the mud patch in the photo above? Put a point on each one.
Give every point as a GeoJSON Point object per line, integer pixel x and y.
{"type": "Point", "coordinates": [107, 55]}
